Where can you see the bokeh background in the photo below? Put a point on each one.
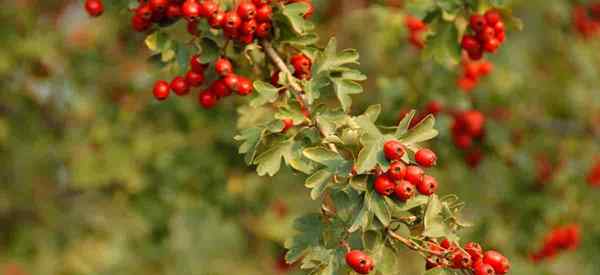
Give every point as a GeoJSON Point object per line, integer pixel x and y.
{"type": "Point", "coordinates": [98, 178]}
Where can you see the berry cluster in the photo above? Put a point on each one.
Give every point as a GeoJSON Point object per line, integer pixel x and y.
{"type": "Point", "coordinates": [220, 88]}
{"type": "Point", "coordinates": [471, 256]}
{"type": "Point", "coordinates": [587, 19]}
{"type": "Point", "coordinates": [468, 127]}
{"type": "Point", "coordinates": [562, 238]}
{"type": "Point", "coordinates": [487, 34]}
{"type": "Point", "coordinates": [404, 180]}
{"type": "Point", "coordinates": [472, 71]}
{"type": "Point", "coordinates": [360, 262]}
{"type": "Point", "coordinates": [416, 27]}
{"type": "Point", "coordinates": [94, 8]}
{"type": "Point", "coordinates": [593, 177]}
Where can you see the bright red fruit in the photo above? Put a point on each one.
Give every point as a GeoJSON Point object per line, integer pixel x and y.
{"type": "Point", "coordinates": [461, 259]}
{"type": "Point", "coordinates": [244, 86]}
{"type": "Point", "coordinates": [217, 20]}
{"type": "Point", "coordinates": [232, 21]}
{"type": "Point", "coordinates": [191, 9]}
{"type": "Point", "coordinates": [474, 250]}
{"type": "Point", "coordinates": [264, 13]}
{"type": "Point", "coordinates": [144, 11]}
{"type": "Point", "coordinates": [301, 63]}
{"type": "Point", "coordinates": [263, 30]}
{"type": "Point", "coordinates": [479, 268]}
{"type": "Point", "coordinates": [158, 5]}
{"type": "Point", "coordinates": [397, 170]}
{"type": "Point", "coordinates": [207, 99]}
{"type": "Point", "coordinates": [498, 261]}
{"type": "Point", "coordinates": [223, 66]}
{"type": "Point", "coordinates": [194, 79]}
{"type": "Point", "coordinates": [477, 22]}
{"type": "Point", "coordinates": [180, 86]}
{"type": "Point", "coordinates": [384, 185]}
{"type": "Point", "coordinates": [470, 43]}
{"type": "Point", "coordinates": [393, 150]}
{"type": "Point", "coordinates": [248, 26]}
{"type": "Point", "coordinates": [140, 24]}
{"type": "Point", "coordinates": [232, 81]}
{"type": "Point", "coordinates": [287, 124]}
{"type": "Point", "coordinates": [425, 157]}
{"type": "Point", "coordinates": [414, 174]}
{"type": "Point", "coordinates": [196, 66]}
{"type": "Point", "coordinates": [161, 90]}
{"type": "Point", "coordinates": [246, 10]}
{"type": "Point", "coordinates": [492, 17]}
{"type": "Point", "coordinates": [209, 8]}
{"type": "Point", "coordinates": [404, 190]}
{"type": "Point", "coordinates": [359, 262]}
{"type": "Point", "coordinates": [427, 186]}
{"type": "Point", "coordinates": [219, 88]}
{"type": "Point", "coordinates": [94, 8]}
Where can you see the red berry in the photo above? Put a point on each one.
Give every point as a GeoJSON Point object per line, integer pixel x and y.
{"type": "Point", "coordinates": [471, 70]}
{"type": "Point", "coordinates": [263, 30]}
{"type": "Point", "coordinates": [427, 186]}
{"type": "Point", "coordinates": [248, 26]}
{"type": "Point", "coordinates": [174, 11]}
{"type": "Point", "coordinates": [474, 250]}
{"type": "Point", "coordinates": [492, 17]}
{"type": "Point", "coordinates": [207, 99]}
{"type": "Point", "coordinates": [499, 27]}
{"type": "Point", "coordinates": [232, 82]}
{"type": "Point", "coordinates": [448, 245]}
{"type": "Point", "coordinates": [498, 261]}
{"type": "Point", "coordinates": [434, 107]}
{"type": "Point", "coordinates": [196, 66]}
{"type": "Point", "coordinates": [140, 24]}
{"type": "Point", "coordinates": [474, 122]}
{"type": "Point", "coordinates": [209, 8]}
{"type": "Point", "coordinates": [425, 157]}
{"type": "Point", "coordinates": [301, 63]}
{"type": "Point", "coordinates": [231, 33]}
{"type": "Point", "coordinates": [463, 141]}
{"type": "Point", "coordinates": [475, 54]}
{"type": "Point", "coordinates": [287, 124]}
{"type": "Point", "coordinates": [384, 185]}
{"type": "Point", "coordinates": [192, 27]}
{"type": "Point", "coordinates": [485, 68]}
{"type": "Point", "coordinates": [477, 22]}
{"type": "Point", "coordinates": [194, 79]}
{"type": "Point", "coordinates": [232, 20]}
{"type": "Point", "coordinates": [180, 86]}
{"type": "Point", "coordinates": [414, 174]}
{"type": "Point", "coordinates": [461, 260]}
{"type": "Point", "coordinates": [470, 43]}
{"type": "Point", "coordinates": [219, 88]}
{"type": "Point", "coordinates": [246, 38]}
{"type": "Point", "coordinates": [94, 8]}
{"type": "Point", "coordinates": [223, 66]}
{"type": "Point", "coordinates": [359, 261]}
{"type": "Point", "coordinates": [244, 86]}
{"type": "Point", "coordinates": [491, 45]}
{"type": "Point", "coordinates": [397, 170]}
{"type": "Point", "coordinates": [191, 9]}
{"type": "Point", "coordinates": [217, 20]}
{"type": "Point", "coordinates": [479, 268]}
{"type": "Point", "coordinates": [144, 11]}
{"type": "Point", "coordinates": [161, 90]}
{"type": "Point", "coordinates": [486, 34]}
{"type": "Point", "coordinates": [264, 13]}
{"type": "Point", "coordinates": [246, 10]}
{"type": "Point", "coordinates": [393, 150]}
{"type": "Point", "coordinates": [404, 190]}
{"type": "Point", "coordinates": [414, 24]}
{"type": "Point", "coordinates": [501, 36]}
{"type": "Point", "coordinates": [158, 5]}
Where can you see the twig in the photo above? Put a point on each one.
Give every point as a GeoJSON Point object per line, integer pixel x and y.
{"type": "Point", "coordinates": [413, 245]}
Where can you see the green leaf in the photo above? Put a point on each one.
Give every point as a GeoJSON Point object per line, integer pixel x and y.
{"type": "Point", "coordinates": [210, 51]}
{"type": "Point", "coordinates": [318, 183]}
{"type": "Point", "coordinates": [183, 57]}
{"type": "Point", "coordinates": [294, 13]}
{"type": "Point", "coordinates": [269, 162]}
{"type": "Point", "coordinates": [443, 46]}
{"type": "Point", "coordinates": [251, 138]}
{"type": "Point", "coordinates": [366, 124]}
{"type": "Point", "coordinates": [420, 8]}
{"type": "Point", "coordinates": [343, 89]}
{"type": "Point", "coordinates": [310, 229]}
{"type": "Point", "coordinates": [404, 124]}
{"type": "Point", "coordinates": [373, 112]}
{"type": "Point", "coordinates": [377, 205]}
{"type": "Point", "coordinates": [434, 224]}
{"type": "Point", "coordinates": [157, 41]}
{"type": "Point", "coordinates": [421, 132]}
{"type": "Point", "coordinates": [361, 219]}
{"type": "Point", "coordinates": [267, 93]}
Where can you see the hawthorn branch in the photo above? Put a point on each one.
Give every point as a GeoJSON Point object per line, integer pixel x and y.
{"type": "Point", "coordinates": [412, 245]}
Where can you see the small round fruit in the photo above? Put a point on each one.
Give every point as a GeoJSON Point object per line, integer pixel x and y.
{"type": "Point", "coordinates": [404, 190]}
{"type": "Point", "coordinates": [209, 8]}
{"type": "Point", "coordinates": [492, 17]}
{"type": "Point", "coordinates": [397, 170]}
{"type": "Point", "coordinates": [448, 245]}
{"type": "Point", "coordinates": [217, 20]}
{"type": "Point", "coordinates": [158, 5]}
{"type": "Point", "coordinates": [425, 157]}
{"type": "Point", "coordinates": [196, 66]}
{"type": "Point", "coordinates": [232, 20]}
{"type": "Point", "coordinates": [248, 26]}
{"type": "Point", "coordinates": [180, 86]}
{"type": "Point", "coordinates": [384, 185]}
{"type": "Point", "coordinates": [428, 185]}
{"type": "Point", "coordinates": [231, 81]}
{"type": "Point", "coordinates": [287, 124]}
{"type": "Point", "coordinates": [393, 150]}
{"type": "Point", "coordinates": [359, 262]}
{"type": "Point", "coordinates": [246, 10]}
{"type": "Point", "coordinates": [263, 30]}
{"type": "Point", "coordinates": [461, 260]}
{"type": "Point", "coordinates": [498, 261]}
{"type": "Point", "coordinates": [140, 24]}
{"type": "Point", "coordinates": [194, 79]}
{"type": "Point", "coordinates": [477, 22]}
{"type": "Point", "coordinates": [219, 88]}
{"type": "Point", "coordinates": [191, 9]}
{"type": "Point", "coordinates": [479, 268]}
{"type": "Point", "coordinates": [161, 90]}
{"type": "Point", "coordinates": [264, 13]}
{"type": "Point", "coordinates": [470, 43]}
{"type": "Point", "coordinates": [94, 8]}
{"type": "Point", "coordinates": [244, 86]}
{"type": "Point", "coordinates": [207, 99]}
{"type": "Point", "coordinates": [414, 174]}
{"type": "Point", "coordinates": [223, 67]}
{"type": "Point", "coordinates": [474, 250]}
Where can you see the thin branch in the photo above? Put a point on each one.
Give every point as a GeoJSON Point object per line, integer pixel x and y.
{"type": "Point", "coordinates": [276, 59]}
{"type": "Point", "coordinates": [413, 245]}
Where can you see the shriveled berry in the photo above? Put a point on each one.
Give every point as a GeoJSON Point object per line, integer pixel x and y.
{"type": "Point", "coordinates": [161, 90]}
{"type": "Point", "coordinates": [404, 190]}
{"type": "Point", "coordinates": [427, 186]}
{"type": "Point", "coordinates": [359, 261]}
{"type": "Point", "coordinates": [425, 157]}
{"type": "Point", "coordinates": [414, 174]}
{"type": "Point", "coordinates": [180, 86]}
{"type": "Point", "coordinates": [301, 63]}
{"type": "Point", "coordinates": [397, 170]}
{"type": "Point", "coordinates": [393, 150]}
{"type": "Point", "coordinates": [384, 185]}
